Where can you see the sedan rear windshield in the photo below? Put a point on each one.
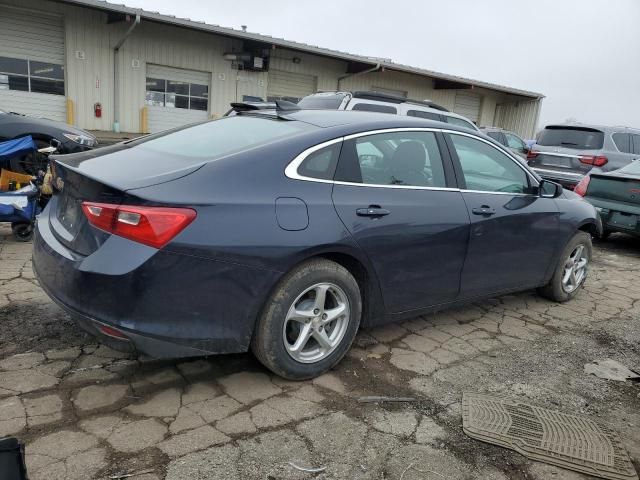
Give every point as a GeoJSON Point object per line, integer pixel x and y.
{"type": "Point", "coordinates": [632, 169]}
{"type": "Point", "coordinates": [321, 102]}
{"type": "Point", "coordinates": [571, 137]}
{"type": "Point", "coordinates": [222, 137]}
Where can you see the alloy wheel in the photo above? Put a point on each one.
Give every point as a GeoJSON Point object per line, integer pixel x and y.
{"type": "Point", "coordinates": [316, 322]}
{"type": "Point", "coordinates": [575, 269]}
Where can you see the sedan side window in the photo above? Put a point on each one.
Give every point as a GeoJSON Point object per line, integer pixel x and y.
{"type": "Point", "coordinates": [423, 114]}
{"type": "Point", "coordinates": [514, 142]}
{"type": "Point", "coordinates": [622, 141]}
{"type": "Point", "coordinates": [321, 163]}
{"type": "Point", "coordinates": [487, 169]}
{"type": "Point", "coordinates": [398, 158]}
{"type": "Point", "coordinates": [497, 136]}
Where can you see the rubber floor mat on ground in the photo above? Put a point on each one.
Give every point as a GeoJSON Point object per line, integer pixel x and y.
{"type": "Point", "coordinates": [568, 441]}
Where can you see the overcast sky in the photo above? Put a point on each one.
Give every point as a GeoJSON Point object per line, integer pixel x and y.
{"type": "Point", "coordinates": [583, 55]}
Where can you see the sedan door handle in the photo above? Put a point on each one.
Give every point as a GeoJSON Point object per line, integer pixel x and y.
{"type": "Point", "coordinates": [484, 210]}
{"type": "Point", "coordinates": [372, 211]}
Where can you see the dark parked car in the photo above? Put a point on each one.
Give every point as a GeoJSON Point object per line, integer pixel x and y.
{"type": "Point", "coordinates": [285, 231]}
{"type": "Point", "coordinates": [565, 153]}
{"type": "Point", "coordinates": [616, 196]}
{"type": "Point", "coordinates": [509, 139]}
{"type": "Point", "coordinates": [42, 130]}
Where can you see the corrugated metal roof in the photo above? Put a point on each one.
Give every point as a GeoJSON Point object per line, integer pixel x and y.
{"type": "Point", "coordinates": [303, 47]}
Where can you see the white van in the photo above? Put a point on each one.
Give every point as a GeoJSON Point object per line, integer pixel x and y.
{"type": "Point", "coordinates": [383, 103]}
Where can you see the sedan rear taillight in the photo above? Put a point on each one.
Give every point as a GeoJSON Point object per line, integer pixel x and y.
{"type": "Point", "coordinates": [531, 154]}
{"type": "Point", "coordinates": [153, 226]}
{"type": "Point", "coordinates": [595, 160]}
{"type": "Point", "coordinates": [581, 187]}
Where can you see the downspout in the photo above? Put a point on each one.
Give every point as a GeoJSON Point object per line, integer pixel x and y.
{"type": "Point", "coordinates": [349, 75]}
{"type": "Point", "coordinates": [116, 71]}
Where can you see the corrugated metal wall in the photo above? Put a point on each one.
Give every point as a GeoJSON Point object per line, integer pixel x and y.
{"type": "Point", "coordinates": [520, 117]}
{"type": "Point", "coordinates": [89, 42]}
{"type": "Point", "coordinates": [35, 36]}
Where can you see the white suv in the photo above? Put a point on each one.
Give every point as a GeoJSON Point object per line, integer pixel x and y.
{"type": "Point", "coordinates": [383, 103]}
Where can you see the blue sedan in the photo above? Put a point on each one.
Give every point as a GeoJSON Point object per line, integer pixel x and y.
{"type": "Point", "coordinates": [284, 231]}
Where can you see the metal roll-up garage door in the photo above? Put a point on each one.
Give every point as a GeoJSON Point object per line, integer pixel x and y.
{"type": "Point", "coordinates": [289, 86]}
{"type": "Point", "coordinates": [176, 97]}
{"type": "Point", "coordinates": [468, 104]}
{"type": "Point", "coordinates": [32, 63]}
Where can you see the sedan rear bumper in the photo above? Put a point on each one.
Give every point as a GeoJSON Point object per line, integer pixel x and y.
{"type": "Point", "coordinates": [617, 216]}
{"type": "Point", "coordinates": [165, 304]}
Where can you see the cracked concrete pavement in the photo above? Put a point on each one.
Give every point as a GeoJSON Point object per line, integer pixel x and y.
{"type": "Point", "coordinates": [88, 412]}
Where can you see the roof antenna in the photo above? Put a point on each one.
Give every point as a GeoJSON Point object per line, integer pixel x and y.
{"type": "Point", "coordinates": [243, 27]}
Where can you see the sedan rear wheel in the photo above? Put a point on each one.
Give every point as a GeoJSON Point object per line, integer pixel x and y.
{"type": "Point", "coordinates": [316, 322]}
{"type": "Point", "coordinates": [309, 322]}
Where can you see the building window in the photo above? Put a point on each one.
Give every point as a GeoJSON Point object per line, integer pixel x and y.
{"type": "Point", "coordinates": [175, 94]}
{"type": "Point", "coordinates": [31, 76]}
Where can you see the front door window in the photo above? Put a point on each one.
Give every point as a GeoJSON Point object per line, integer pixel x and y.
{"type": "Point", "coordinates": [487, 169]}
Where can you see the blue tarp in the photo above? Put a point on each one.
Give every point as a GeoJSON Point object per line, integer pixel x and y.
{"type": "Point", "coordinates": [12, 148]}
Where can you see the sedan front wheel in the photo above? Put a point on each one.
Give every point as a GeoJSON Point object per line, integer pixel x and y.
{"type": "Point", "coordinates": [571, 271]}
{"type": "Point", "coordinates": [309, 322]}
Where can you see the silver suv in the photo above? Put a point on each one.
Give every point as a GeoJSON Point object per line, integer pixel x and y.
{"type": "Point", "coordinates": [383, 103]}
{"type": "Point", "coordinates": [565, 153]}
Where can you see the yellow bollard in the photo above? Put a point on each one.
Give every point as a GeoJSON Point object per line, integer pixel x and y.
{"type": "Point", "coordinates": [70, 117]}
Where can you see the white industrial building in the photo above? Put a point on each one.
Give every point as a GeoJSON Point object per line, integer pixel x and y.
{"type": "Point", "coordinates": [102, 66]}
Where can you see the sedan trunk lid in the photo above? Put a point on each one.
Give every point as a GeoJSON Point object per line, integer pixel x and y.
{"type": "Point", "coordinates": [615, 187]}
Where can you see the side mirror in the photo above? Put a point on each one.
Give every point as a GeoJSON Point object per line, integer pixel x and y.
{"type": "Point", "coordinates": [549, 189]}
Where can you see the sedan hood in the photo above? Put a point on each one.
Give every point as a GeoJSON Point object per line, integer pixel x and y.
{"type": "Point", "coordinates": [45, 123]}
{"type": "Point", "coordinates": [126, 167]}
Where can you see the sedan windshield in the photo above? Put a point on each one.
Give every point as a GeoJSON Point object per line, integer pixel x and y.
{"type": "Point", "coordinates": [632, 169]}
{"type": "Point", "coordinates": [571, 137]}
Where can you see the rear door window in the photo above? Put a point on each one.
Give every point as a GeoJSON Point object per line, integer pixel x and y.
{"type": "Point", "coordinates": [374, 107]}
{"type": "Point", "coordinates": [487, 169]}
{"type": "Point", "coordinates": [581, 138]}
{"type": "Point", "coordinates": [423, 114]}
{"type": "Point", "coordinates": [623, 142]}
{"type": "Point", "coordinates": [395, 158]}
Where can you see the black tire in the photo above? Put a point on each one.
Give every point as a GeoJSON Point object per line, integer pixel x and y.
{"type": "Point", "coordinates": [555, 290]}
{"type": "Point", "coordinates": [32, 162]}
{"type": "Point", "coordinates": [268, 342]}
{"type": "Point", "coordinates": [22, 232]}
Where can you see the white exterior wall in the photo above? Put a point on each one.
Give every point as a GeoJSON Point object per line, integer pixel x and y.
{"type": "Point", "coordinates": [326, 70]}
{"type": "Point", "coordinates": [90, 80]}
